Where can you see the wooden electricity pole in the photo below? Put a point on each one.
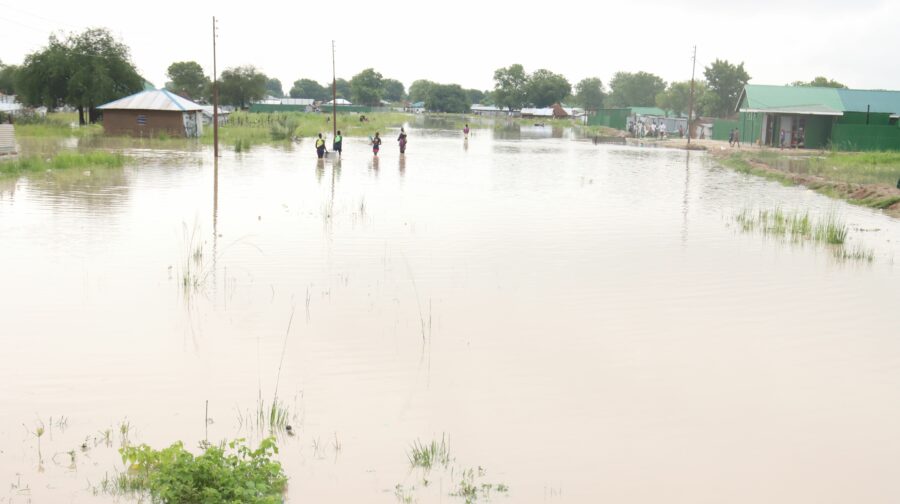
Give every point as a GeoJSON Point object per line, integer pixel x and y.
{"type": "Point", "coordinates": [215, 95]}
{"type": "Point", "coordinates": [691, 98]}
{"type": "Point", "coordinates": [333, 96]}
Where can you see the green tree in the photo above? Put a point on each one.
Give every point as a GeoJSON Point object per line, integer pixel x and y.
{"type": "Point", "coordinates": [544, 88]}
{"type": "Point", "coordinates": [635, 89]}
{"type": "Point", "coordinates": [726, 81]}
{"type": "Point", "coordinates": [44, 76]}
{"type": "Point", "coordinates": [8, 76]}
{"type": "Point", "coordinates": [366, 88]}
{"type": "Point", "coordinates": [242, 85]}
{"type": "Point", "coordinates": [475, 96]}
{"type": "Point", "coordinates": [186, 78]}
{"type": "Point", "coordinates": [308, 88]}
{"type": "Point", "coordinates": [344, 89]}
{"type": "Point", "coordinates": [393, 90]}
{"type": "Point", "coordinates": [418, 91]}
{"type": "Point", "coordinates": [510, 87]}
{"type": "Point", "coordinates": [820, 82]}
{"type": "Point", "coordinates": [273, 87]}
{"type": "Point", "coordinates": [450, 98]}
{"type": "Point", "coordinates": [676, 98]}
{"type": "Point", "coordinates": [589, 93]}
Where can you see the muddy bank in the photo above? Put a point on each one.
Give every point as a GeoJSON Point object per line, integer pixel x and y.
{"type": "Point", "coordinates": [774, 165]}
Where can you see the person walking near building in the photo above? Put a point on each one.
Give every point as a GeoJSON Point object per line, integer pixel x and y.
{"type": "Point", "coordinates": [320, 146]}
{"type": "Point", "coordinates": [781, 139]}
{"type": "Point", "coordinates": [337, 145]}
{"type": "Point", "coordinates": [737, 138]}
{"type": "Point", "coordinates": [376, 144]}
{"type": "Point", "coordinates": [402, 140]}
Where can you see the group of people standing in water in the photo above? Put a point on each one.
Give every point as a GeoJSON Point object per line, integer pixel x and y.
{"type": "Point", "coordinates": [337, 145]}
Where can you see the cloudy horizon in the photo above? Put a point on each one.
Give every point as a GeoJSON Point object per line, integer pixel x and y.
{"type": "Point", "coordinates": [778, 43]}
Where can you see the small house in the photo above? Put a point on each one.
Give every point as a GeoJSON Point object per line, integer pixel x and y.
{"type": "Point", "coordinates": [152, 113]}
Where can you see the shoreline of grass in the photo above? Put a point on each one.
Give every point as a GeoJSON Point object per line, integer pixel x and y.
{"type": "Point", "coordinates": [860, 178]}
{"type": "Point", "coordinates": [61, 161]}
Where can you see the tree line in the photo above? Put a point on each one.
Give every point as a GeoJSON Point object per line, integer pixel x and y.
{"type": "Point", "coordinates": [92, 68]}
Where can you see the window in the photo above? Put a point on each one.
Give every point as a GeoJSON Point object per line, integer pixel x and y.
{"type": "Point", "coordinates": [142, 119]}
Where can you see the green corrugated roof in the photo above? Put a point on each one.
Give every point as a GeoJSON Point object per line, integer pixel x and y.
{"type": "Point", "coordinates": [799, 99]}
{"type": "Point", "coordinates": [856, 100]}
{"type": "Point", "coordinates": [778, 97]}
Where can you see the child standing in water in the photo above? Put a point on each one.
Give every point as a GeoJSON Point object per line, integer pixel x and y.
{"type": "Point", "coordinates": [337, 146]}
{"type": "Point", "coordinates": [402, 140]}
{"type": "Point", "coordinates": [466, 130]}
{"type": "Point", "coordinates": [376, 144]}
{"type": "Point", "coordinates": [320, 146]}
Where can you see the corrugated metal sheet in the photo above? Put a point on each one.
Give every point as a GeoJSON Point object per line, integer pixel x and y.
{"type": "Point", "coordinates": [7, 139]}
{"type": "Point", "coordinates": [856, 100]}
{"type": "Point", "coordinates": [157, 99]}
{"type": "Point", "coordinates": [759, 97]}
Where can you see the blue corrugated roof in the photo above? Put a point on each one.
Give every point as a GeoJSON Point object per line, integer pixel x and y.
{"type": "Point", "coordinates": [857, 100]}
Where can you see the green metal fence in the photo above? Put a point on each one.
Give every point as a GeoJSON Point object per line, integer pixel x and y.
{"type": "Point", "coordinates": [859, 137]}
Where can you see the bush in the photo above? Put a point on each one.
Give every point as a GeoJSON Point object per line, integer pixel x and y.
{"type": "Point", "coordinates": [219, 475]}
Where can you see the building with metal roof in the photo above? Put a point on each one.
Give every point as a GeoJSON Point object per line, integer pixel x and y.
{"type": "Point", "coordinates": [153, 113]}
{"type": "Point", "coordinates": [814, 117]}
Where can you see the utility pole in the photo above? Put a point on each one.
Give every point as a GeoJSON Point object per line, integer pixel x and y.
{"type": "Point", "coordinates": [215, 94]}
{"type": "Point", "coordinates": [691, 98]}
{"type": "Point", "coordinates": [333, 95]}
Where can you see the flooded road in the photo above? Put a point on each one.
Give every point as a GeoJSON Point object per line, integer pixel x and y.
{"type": "Point", "coordinates": [585, 323]}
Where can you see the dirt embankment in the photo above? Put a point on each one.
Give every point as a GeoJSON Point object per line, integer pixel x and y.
{"type": "Point", "coordinates": [879, 196]}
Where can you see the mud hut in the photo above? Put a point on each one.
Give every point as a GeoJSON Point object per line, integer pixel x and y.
{"type": "Point", "coordinates": [152, 113]}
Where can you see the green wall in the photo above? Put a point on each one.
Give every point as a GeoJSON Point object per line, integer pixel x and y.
{"type": "Point", "coordinates": [817, 131]}
{"type": "Point", "coordinates": [749, 126]}
{"type": "Point", "coordinates": [875, 119]}
{"type": "Point", "coordinates": [859, 137]}
{"type": "Point", "coordinates": [266, 107]}
{"type": "Point", "coordinates": [611, 118]}
{"type": "Point", "coordinates": [722, 128]}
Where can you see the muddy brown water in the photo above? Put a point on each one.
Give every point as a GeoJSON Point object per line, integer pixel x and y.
{"type": "Point", "coordinates": [582, 321]}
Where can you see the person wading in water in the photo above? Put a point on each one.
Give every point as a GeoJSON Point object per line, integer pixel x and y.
{"type": "Point", "coordinates": [337, 145]}
{"type": "Point", "coordinates": [320, 146]}
{"type": "Point", "coordinates": [376, 144]}
{"type": "Point", "coordinates": [402, 140]}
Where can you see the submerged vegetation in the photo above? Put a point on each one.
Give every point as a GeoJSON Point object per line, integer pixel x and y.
{"type": "Point", "coordinates": [465, 482]}
{"type": "Point", "coordinates": [62, 161]}
{"type": "Point", "coordinates": [830, 230]}
{"type": "Point", "coordinates": [223, 473]}
{"type": "Point", "coordinates": [867, 179]}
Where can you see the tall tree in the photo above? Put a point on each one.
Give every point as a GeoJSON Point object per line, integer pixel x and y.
{"type": "Point", "coordinates": [8, 76]}
{"type": "Point", "coordinates": [186, 78]}
{"type": "Point", "coordinates": [418, 91]}
{"type": "Point", "coordinates": [393, 90]}
{"type": "Point", "coordinates": [273, 87]}
{"type": "Point", "coordinates": [510, 86]}
{"type": "Point", "coordinates": [589, 93]}
{"type": "Point", "coordinates": [450, 98]}
{"type": "Point", "coordinates": [365, 87]}
{"type": "Point", "coordinates": [676, 99]}
{"type": "Point", "coordinates": [635, 89]}
{"type": "Point", "coordinates": [343, 89]}
{"type": "Point", "coordinates": [310, 89]}
{"type": "Point", "coordinates": [475, 96]}
{"type": "Point", "coordinates": [820, 82]}
{"type": "Point", "coordinates": [726, 81]}
{"type": "Point", "coordinates": [84, 71]}
{"type": "Point", "coordinates": [242, 85]}
{"type": "Point", "coordinates": [544, 88]}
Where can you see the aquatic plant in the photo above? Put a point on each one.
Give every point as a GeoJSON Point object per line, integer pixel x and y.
{"type": "Point", "coordinates": [223, 473]}
{"type": "Point", "coordinates": [62, 161]}
{"type": "Point", "coordinates": [426, 456]}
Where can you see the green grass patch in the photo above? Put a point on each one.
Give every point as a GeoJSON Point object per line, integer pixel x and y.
{"type": "Point", "coordinates": [55, 125]}
{"type": "Point", "coordinates": [221, 474]}
{"type": "Point", "coordinates": [62, 161]}
{"type": "Point", "coordinates": [829, 230]}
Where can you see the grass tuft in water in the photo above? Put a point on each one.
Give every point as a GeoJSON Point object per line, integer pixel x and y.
{"type": "Point", "coordinates": [62, 161]}
{"type": "Point", "coordinates": [426, 456]}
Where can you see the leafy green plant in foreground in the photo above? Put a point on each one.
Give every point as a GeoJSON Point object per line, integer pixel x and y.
{"type": "Point", "coordinates": [221, 474]}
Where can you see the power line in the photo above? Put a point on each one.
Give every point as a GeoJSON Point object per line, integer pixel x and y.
{"type": "Point", "coordinates": [42, 18]}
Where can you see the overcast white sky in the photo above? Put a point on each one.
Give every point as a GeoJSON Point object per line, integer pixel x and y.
{"type": "Point", "coordinates": [465, 41]}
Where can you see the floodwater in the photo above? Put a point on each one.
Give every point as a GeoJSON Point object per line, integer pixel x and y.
{"type": "Point", "coordinates": [584, 322]}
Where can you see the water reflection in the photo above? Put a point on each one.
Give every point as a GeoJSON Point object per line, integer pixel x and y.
{"type": "Point", "coordinates": [401, 162]}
